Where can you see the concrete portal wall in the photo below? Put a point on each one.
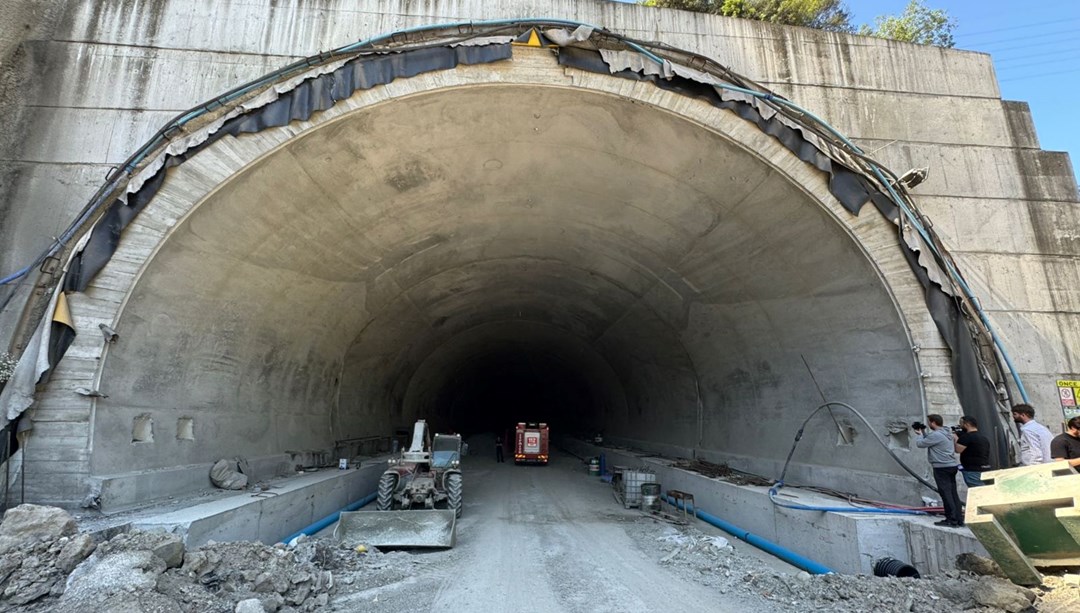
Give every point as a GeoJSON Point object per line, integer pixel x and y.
{"type": "Point", "coordinates": [94, 79]}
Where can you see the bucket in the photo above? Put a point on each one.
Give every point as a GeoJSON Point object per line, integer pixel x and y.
{"type": "Point", "coordinates": [650, 496]}
{"type": "Point", "coordinates": [890, 567]}
{"type": "Point", "coordinates": [594, 466]}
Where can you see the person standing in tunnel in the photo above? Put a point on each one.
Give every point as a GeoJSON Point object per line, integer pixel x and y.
{"type": "Point", "coordinates": [1066, 446]}
{"type": "Point", "coordinates": [974, 450]}
{"type": "Point", "coordinates": [939, 451]}
{"type": "Point", "coordinates": [498, 448]}
{"type": "Point", "coordinates": [1034, 437]}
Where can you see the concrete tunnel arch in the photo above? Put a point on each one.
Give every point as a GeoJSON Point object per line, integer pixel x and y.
{"type": "Point", "coordinates": [338, 277]}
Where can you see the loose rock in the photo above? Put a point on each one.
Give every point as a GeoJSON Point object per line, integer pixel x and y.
{"type": "Point", "coordinates": [29, 523]}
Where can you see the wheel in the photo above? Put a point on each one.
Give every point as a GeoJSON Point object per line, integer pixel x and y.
{"type": "Point", "coordinates": [453, 492]}
{"type": "Point", "coordinates": [387, 484]}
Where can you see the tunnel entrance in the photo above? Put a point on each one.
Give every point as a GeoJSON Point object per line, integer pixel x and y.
{"type": "Point", "coordinates": [491, 254]}
{"type": "Point", "coordinates": [497, 243]}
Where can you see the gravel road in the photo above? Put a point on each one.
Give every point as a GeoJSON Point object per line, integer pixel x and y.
{"type": "Point", "coordinates": [544, 539]}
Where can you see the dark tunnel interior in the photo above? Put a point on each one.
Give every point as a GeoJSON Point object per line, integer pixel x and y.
{"type": "Point", "coordinates": [491, 392]}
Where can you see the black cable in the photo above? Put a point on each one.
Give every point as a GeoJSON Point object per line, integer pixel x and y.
{"type": "Point", "coordinates": [798, 436]}
{"type": "Point", "coordinates": [1020, 27]}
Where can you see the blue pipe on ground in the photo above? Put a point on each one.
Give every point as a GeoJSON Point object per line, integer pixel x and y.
{"type": "Point", "coordinates": [784, 554]}
{"type": "Point", "coordinates": [329, 519]}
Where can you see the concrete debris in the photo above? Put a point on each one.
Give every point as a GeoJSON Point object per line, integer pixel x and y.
{"type": "Point", "coordinates": [731, 572]}
{"type": "Point", "coordinates": [109, 580]}
{"type": "Point", "coordinates": [1003, 595]}
{"type": "Point", "coordinates": [978, 565]}
{"type": "Point", "coordinates": [251, 605]}
{"type": "Point", "coordinates": [152, 572]}
{"type": "Point", "coordinates": [33, 573]}
{"type": "Point", "coordinates": [165, 546]}
{"type": "Point", "coordinates": [28, 523]}
{"type": "Point", "coordinates": [91, 501]}
{"type": "Point", "coordinates": [723, 471]}
{"type": "Point", "coordinates": [74, 552]}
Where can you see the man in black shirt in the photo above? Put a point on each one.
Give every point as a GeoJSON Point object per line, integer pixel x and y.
{"type": "Point", "coordinates": [1067, 446]}
{"type": "Point", "coordinates": [974, 450]}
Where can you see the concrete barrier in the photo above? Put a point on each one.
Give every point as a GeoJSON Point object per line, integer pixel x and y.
{"type": "Point", "coordinates": [269, 516]}
{"type": "Point", "coordinates": [1028, 518]}
{"type": "Point", "coordinates": [850, 543]}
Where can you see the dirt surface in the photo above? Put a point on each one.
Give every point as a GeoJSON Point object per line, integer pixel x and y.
{"type": "Point", "coordinates": [553, 539]}
{"type": "Point", "coordinates": [548, 539]}
{"type": "Point", "coordinates": [544, 538]}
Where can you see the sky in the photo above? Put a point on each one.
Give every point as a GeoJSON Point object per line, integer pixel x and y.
{"type": "Point", "coordinates": [1035, 46]}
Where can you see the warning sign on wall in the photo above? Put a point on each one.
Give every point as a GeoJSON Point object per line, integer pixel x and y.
{"type": "Point", "coordinates": [1069, 393]}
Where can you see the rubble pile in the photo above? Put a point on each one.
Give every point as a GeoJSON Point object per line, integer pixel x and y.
{"type": "Point", "coordinates": [45, 566]}
{"type": "Point", "coordinates": [38, 548]}
{"type": "Point", "coordinates": [714, 563]}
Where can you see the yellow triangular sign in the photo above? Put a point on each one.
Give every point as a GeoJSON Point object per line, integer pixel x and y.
{"type": "Point", "coordinates": [532, 38]}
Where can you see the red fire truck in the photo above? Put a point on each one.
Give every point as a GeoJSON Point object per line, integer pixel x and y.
{"type": "Point", "coordinates": [531, 443]}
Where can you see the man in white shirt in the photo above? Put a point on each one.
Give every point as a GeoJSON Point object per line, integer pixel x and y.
{"type": "Point", "coordinates": [1034, 437]}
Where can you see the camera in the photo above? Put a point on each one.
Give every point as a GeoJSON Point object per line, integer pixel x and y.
{"type": "Point", "coordinates": [918, 425]}
{"type": "Point", "coordinates": [956, 429]}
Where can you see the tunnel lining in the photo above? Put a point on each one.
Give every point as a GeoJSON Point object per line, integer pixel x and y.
{"type": "Point", "coordinates": [805, 178]}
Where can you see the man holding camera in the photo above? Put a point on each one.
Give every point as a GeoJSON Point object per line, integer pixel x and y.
{"type": "Point", "coordinates": [939, 451]}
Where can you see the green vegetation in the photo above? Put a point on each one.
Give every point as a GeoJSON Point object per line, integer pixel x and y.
{"type": "Point", "coordinates": [917, 24]}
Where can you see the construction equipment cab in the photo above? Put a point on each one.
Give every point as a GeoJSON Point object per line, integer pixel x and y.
{"type": "Point", "coordinates": [531, 445]}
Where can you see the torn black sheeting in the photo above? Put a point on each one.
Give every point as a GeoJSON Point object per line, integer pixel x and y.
{"type": "Point", "coordinates": [850, 188]}
{"type": "Point", "coordinates": [299, 104]}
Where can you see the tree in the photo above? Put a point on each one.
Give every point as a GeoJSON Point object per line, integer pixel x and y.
{"type": "Point", "coordinates": [829, 15]}
{"type": "Point", "coordinates": [918, 24]}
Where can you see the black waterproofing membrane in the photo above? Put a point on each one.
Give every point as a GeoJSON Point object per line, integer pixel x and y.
{"type": "Point", "coordinates": [853, 190]}
{"type": "Point", "coordinates": [314, 95]}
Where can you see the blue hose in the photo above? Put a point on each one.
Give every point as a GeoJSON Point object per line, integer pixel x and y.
{"type": "Point", "coordinates": [330, 519]}
{"type": "Point", "coordinates": [765, 545]}
{"type": "Point", "coordinates": [774, 490]}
